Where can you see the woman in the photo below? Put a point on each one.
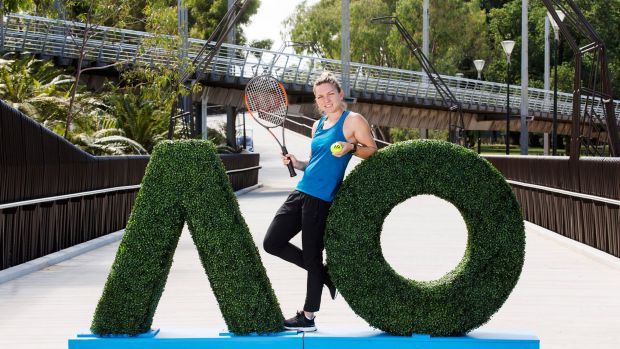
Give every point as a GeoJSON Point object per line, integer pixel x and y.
{"type": "Point", "coordinates": [307, 207]}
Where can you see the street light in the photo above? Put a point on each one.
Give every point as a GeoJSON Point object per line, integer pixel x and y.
{"type": "Point", "coordinates": [556, 44]}
{"type": "Point", "coordinates": [508, 45]}
{"type": "Point", "coordinates": [479, 63]}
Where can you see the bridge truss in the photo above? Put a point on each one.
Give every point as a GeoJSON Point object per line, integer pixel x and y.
{"type": "Point", "coordinates": [456, 126]}
{"type": "Point", "coordinates": [593, 129]}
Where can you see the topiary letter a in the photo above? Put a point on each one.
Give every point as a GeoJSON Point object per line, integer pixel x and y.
{"type": "Point", "coordinates": [185, 181]}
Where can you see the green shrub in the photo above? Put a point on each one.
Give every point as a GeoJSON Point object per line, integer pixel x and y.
{"type": "Point", "coordinates": [185, 181]}
{"type": "Point", "coordinates": [467, 296]}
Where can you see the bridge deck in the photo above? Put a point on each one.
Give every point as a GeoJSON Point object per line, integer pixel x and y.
{"type": "Point", "coordinates": [567, 295]}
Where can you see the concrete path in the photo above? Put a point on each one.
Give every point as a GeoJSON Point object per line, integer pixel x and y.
{"type": "Point", "coordinates": [567, 295]}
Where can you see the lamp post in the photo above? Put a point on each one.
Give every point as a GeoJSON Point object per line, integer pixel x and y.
{"type": "Point", "coordinates": [556, 43]}
{"type": "Point", "coordinates": [508, 45]}
{"type": "Point", "coordinates": [479, 64]}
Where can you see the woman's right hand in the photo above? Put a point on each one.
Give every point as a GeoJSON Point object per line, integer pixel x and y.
{"type": "Point", "coordinates": [290, 158]}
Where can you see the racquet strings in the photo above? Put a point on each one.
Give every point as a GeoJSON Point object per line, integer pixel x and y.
{"type": "Point", "coordinates": [266, 99]}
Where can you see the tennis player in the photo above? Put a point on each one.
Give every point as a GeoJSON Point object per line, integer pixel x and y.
{"type": "Point", "coordinates": [306, 208]}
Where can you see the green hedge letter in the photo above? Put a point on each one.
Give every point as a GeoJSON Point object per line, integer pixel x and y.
{"type": "Point", "coordinates": [185, 181]}
{"type": "Point", "coordinates": [464, 298]}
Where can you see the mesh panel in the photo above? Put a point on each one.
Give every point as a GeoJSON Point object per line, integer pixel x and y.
{"type": "Point", "coordinates": [266, 100]}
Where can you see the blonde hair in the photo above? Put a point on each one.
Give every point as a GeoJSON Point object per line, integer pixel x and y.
{"type": "Point", "coordinates": [328, 77]}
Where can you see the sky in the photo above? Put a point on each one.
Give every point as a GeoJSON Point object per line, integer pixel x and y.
{"type": "Point", "coordinates": [267, 22]}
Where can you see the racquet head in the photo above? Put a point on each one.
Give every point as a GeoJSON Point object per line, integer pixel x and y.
{"type": "Point", "coordinates": [266, 100]}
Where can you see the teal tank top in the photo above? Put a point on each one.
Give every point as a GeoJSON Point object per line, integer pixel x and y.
{"type": "Point", "coordinates": [324, 173]}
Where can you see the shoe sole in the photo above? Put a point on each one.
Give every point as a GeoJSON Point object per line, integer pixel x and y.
{"type": "Point", "coordinates": [302, 329]}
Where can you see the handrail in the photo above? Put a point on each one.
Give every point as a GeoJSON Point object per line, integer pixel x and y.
{"type": "Point", "coordinates": [67, 196]}
{"type": "Point", "coordinates": [96, 192]}
{"type": "Point", "coordinates": [566, 193]}
{"type": "Point", "coordinates": [246, 169]}
{"type": "Point", "coordinates": [48, 37]}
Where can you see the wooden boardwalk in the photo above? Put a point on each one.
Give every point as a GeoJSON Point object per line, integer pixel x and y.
{"type": "Point", "coordinates": [567, 295]}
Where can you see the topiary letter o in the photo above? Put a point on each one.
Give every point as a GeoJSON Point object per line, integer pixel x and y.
{"type": "Point", "coordinates": [467, 296]}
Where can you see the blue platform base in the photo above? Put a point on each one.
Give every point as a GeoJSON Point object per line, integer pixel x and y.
{"type": "Point", "coordinates": [333, 338]}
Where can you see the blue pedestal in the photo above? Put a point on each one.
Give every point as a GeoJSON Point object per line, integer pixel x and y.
{"type": "Point", "coordinates": [190, 339]}
{"type": "Point", "coordinates": [373, 339]}
{"type": "Point", "coordinates": [343, 338]}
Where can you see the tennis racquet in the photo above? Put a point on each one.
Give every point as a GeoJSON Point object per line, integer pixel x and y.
{"type": "Point", "coordinates": [267, 102]}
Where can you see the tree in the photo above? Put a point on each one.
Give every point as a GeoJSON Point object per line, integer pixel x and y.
{"type": "Point", "coordinates": [264, 44]}
{"type": "Point", "coordinates": [488, 5]}
{"type": "Point", "coordinates": [454, 43]}
{"type": "Point", "coordinates": [139, 115]}
{"type": "Point", "coordinates": [205, 15]}
{"type": "Point", "coordinates": [92, 15]}
{"type": "Point", "coordinates": [502, 25]}
{"type": "Point", "coordinates": [36, 88]}
{"type": "Point", "coordinates": [320, 24]}
{"type": "Point", "coordinates": [108, 142]}
{"type": "Point", "coordinates": [457, 35]}
{"type": "Point", "coordinates": [7, 6]}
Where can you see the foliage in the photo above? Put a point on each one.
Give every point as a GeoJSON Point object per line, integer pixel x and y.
{"type": "Point", "coordinates": [108, 142]}
{"type": "Point", "coordinates": [457, 35]}
{"type": "Point", "coordinates": [460, 32]}
{"type": "Point", "coordinates": [264, 44]}
{"type": "Point", "coordinates": [7, 6]}
{"type": "Point", "coordinates": [403, 134]}
{"type": "Point", "coordinates": [34, 87]}
{"type": "Point", "coordinates": [503, 26]}
{"type": "Point", "coordinates": [39, 90]}
{"type": "Point", "coordinates": [205, 15]}
{"type": "Point", "coordinates": [464, 298]}
{"type": "Point", "coordinates": [185, 181]}
{"type": "Point", "coordinates": [140, 117]}
{"type": "Point", "coordinates": [92, 15]}
{"type": "Point", "coordinates": [139, 108]}
{"type": "Point", "coordinates": [320, 24]}
{"type": "Point", "coordinates": [157, 16]}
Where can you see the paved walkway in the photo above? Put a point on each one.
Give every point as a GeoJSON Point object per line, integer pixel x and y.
{"type": "Point", "coordinates": [567, 295]}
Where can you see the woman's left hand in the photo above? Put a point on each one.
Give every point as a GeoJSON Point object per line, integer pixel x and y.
{"type": "Point", "coordinates": [346, 148]}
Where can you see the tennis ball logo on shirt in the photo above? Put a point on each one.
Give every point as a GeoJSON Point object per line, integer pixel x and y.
{"type": "Point", "coordinates": [336, 148]}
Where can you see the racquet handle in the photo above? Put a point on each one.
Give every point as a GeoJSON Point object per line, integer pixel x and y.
{"type": "Point", "coordinates": [291, 169]}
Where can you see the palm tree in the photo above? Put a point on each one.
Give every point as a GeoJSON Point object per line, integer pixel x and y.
{"type": "Point", "coordinates": [141, 118]}
{"type": "Point", "coordinates": [111, 141]}
{"type": "Point", "coordinates": [35, 87]}
{"type": "Point", "coordinates": [39, 90]}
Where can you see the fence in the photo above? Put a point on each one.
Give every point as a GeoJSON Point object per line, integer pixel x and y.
{"type": "Point", "coordinates": [580, 200]}
{"type": "Point", "coordinates": [54, 195]}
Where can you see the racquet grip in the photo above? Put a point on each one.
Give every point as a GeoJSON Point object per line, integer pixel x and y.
{"type": "Point", "coordinates": [291, 169]}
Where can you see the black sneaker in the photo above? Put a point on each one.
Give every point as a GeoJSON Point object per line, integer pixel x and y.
{"type": "Point", "coordinates": [333, 292]}
{"type": "Point", "coordinates": [300, 322]}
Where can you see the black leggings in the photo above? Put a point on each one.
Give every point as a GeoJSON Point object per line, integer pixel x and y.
{"type": "Point", "coordinates": [308, 214]}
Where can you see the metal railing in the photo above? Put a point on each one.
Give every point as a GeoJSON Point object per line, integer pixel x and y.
{"type": "Point", "coordinates": [98, 192]}
{"type": "Point", "coordinates": [53, 38]}
{"type": "Point", "coordinates": [579, 200]}
{"type": "Point", "coordinates": [54, 195]}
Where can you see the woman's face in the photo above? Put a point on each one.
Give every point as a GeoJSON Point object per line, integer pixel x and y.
{"type": "Point", "coordinates": [327, 97]}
